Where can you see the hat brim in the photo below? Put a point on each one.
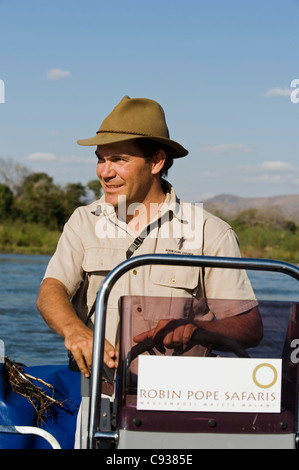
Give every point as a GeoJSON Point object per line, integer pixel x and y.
{"type": "Point", "coordinates": [103, 138]}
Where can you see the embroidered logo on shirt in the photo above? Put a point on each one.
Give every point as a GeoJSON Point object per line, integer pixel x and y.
{"type": "Point", "coordinates": [178, 252]}
{"type": "Point", "coordinates": [181, 242]}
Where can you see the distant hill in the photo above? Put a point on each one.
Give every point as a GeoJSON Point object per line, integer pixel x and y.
{"type": "Point", "coordinates": [229, 206]}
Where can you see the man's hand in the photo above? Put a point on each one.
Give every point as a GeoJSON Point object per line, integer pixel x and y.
{"type": "Point", "coordinates": [80, 343]}
{"type": "Point", "coordinates": [55, 307]}
{"type": "Point", "coordinates": [171, 334]}
{"type": "Point", "coordinates": [111, 355]}
{"type": "Point", "coordinates": [245, 328]}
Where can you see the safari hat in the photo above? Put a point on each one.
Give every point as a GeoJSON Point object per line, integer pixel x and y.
{"type": "Point", "coordinates": [135, 118]}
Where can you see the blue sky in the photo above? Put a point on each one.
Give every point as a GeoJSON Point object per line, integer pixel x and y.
{"type": "Point", "coordinates": [222, 70]}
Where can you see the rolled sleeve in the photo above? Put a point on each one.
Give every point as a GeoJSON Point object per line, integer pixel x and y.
{"type": "Point", "coordinates": [228, 291]}
{"type": "Point", "coordinates": [66, 263]}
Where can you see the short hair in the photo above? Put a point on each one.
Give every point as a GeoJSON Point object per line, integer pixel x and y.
{"type": "Point", "coordinates": [150, 147]}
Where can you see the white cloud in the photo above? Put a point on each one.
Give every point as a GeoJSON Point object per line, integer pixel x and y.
{"type": "Point", "coordinates": [276, 171]}
{"type": "Point", "coordinates": [277, 178]}
{"type": "Point", "coordinates": [42, 156]}
{"type": "Point", "coordinates": [276, 92]}
{"type": "Point", "coordinates": [57, 74]}
{"type": "Point", "coordinates": [226, 148]}
{"type": "Point", "coordinates": [69, 159]}
{"type": "Point", "coordinates": [277, 166]}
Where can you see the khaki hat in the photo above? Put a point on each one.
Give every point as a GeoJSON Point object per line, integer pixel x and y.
{"type": "Point", "coordinates": [135, 118]}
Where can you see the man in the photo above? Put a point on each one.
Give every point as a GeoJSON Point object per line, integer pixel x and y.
{"type": "Point", "coordinates": [134, 151]}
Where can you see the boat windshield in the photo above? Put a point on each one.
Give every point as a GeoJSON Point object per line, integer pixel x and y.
{"type": "Point", "coordinates": [136, 403]}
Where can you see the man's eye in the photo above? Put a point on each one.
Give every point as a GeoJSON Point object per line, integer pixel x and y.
{"type": "Point", "coordinates": [100, 159]}
{"type": "Point", "coordinates": [119, 159]}
{"type": "Point", "coordinates": [113, 158]}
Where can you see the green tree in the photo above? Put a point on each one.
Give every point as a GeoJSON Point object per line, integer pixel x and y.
{"type": "Point", "coordinates": [95, 187]}
{"type": "Point", "coordinates": [41, 201]}
{"type": "Point", "coordinates": [272, 217]}
{"type": "Point", "coordinates": [6, 201]}
{"type": "Point", "coordinates": [291, 226]}
{"type": "Point", "coordinates": [12, 174]}
{"type": "Point", "coordinates": [73, 197]}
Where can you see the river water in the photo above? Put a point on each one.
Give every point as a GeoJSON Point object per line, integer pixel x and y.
{"type": "Point", "coordinates": [27, 339]}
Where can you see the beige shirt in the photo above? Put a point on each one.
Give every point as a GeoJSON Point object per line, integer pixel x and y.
{"type": "Point", "coordinates": [94, 241]}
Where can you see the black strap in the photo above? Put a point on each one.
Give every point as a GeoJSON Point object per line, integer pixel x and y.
{"type": "Point", "coordinates": [92, 310]}
{"type": "Point", "coordinates": [136, 244]}
{"type": "Point", "coordinates": [139, 240]}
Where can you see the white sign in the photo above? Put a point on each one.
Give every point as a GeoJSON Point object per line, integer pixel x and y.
{"type": "Point", "coordinates": [173, 383]}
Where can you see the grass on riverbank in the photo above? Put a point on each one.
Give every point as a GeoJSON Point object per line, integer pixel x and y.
{"type": "Point", "coordinates": [269, 242]}
{"type": "Point", "coordinates": [258, 241]}
{"type": "Point", "coordinates": [27, 238]}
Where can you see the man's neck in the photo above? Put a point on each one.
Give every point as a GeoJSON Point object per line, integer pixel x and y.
{"type": "Point", "coordinates": [143, 216]}
{"type": "Point", "coordinates": [144, 213]}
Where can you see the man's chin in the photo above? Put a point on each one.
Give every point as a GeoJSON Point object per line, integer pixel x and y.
{"type": "Point", "coordinates": [116, 200]}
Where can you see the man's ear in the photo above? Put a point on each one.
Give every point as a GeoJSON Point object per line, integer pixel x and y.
{"type": "Point", "coordinates": [158, 161]}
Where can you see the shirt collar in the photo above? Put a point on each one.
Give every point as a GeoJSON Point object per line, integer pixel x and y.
{"type": "Point", "coordinates": [102, 207]}
{"type": "Point", "coordinates": [172, 203]}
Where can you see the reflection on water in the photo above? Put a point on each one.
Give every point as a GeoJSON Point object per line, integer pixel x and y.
{"type": "Point", "coordinates": [274, 286]}
{"type": "Point", "coordinates": [26, 337]}
{"type": "Point", "coordinates": [29, 340]}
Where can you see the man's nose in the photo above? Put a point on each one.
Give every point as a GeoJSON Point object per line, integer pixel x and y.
{"type": "Point", "coordinates": [107, 170]}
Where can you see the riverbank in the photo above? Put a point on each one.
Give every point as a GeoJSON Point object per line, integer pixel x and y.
{"type": "Point", "coordinates": [27, 238]}
{"type": "Point", "coordinates": [257, 241]}
{"type": "Point", "coordinates": [268, 242]}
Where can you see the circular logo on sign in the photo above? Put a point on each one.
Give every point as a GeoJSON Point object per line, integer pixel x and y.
{"type": "Point", "coordinates": [273, 376]}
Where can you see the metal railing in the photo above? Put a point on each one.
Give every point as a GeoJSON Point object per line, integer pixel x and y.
{"type": "Point", "coordinates": [102, 301]}
{"type": "Point", "coordinates": [4, 428]}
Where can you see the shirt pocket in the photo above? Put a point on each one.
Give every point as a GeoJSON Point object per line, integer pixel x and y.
{"type": "Point", "coordinates": [102, 259]}
{"type": "Point", "coordinates": [97, 263]}
{"type": "Point", "coordinates": [176, 277]}
{"type": "Point", "coordinates": [173, 287]}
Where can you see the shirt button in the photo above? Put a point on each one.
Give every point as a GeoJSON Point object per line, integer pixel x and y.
{"type": "Point", "coordinates": [134, 272]}
{"type": "Point", "coordinates": [173, 280]}
{"type": "Point", "coordinates": [139, 309]}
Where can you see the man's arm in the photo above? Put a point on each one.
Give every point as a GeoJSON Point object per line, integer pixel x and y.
{"type": "Point", "coordinates": [56, 309]}
{"type": "Point", "coordinates": [246, 329]}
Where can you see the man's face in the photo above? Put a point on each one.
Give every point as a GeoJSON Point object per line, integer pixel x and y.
{"type": "Point", "coordinates": [124, 172]}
